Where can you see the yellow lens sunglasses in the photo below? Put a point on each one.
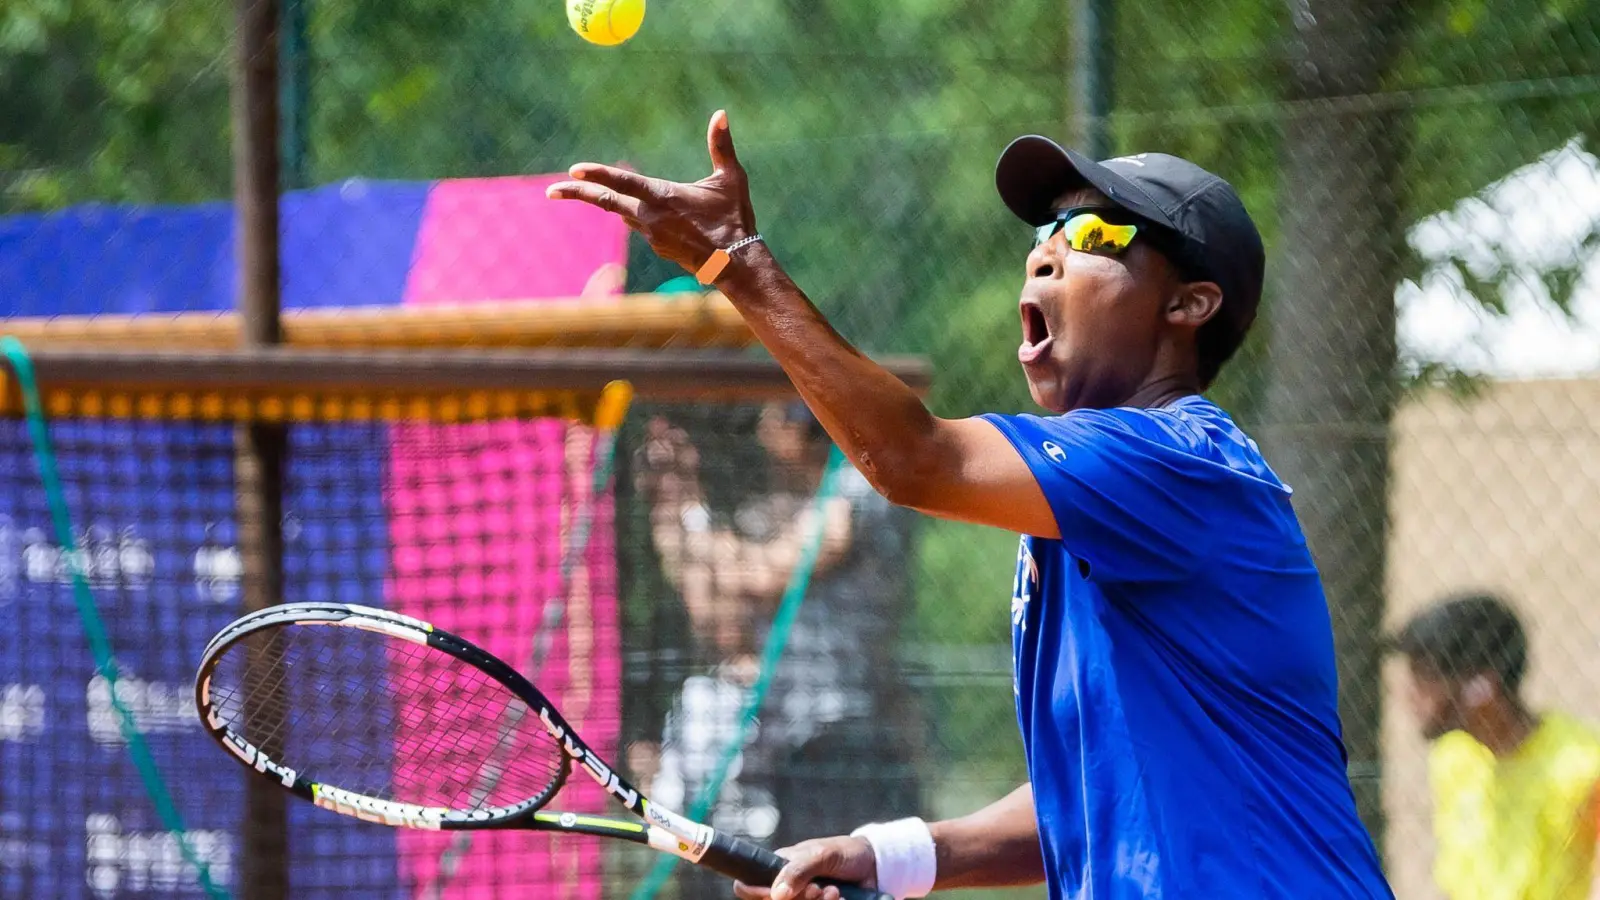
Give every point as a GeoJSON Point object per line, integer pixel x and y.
{"type": "Point", "coordinates": [1088, 232]}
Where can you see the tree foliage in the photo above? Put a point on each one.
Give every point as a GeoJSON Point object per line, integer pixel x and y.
{"type": "Point", "coordinates": [871, 129]}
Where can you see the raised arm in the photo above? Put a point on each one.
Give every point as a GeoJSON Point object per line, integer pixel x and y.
{"type": "Point", "coordinates": [669, 479]}
{"type": "Point", "coordinates": [962, 469]}
{"type": "Point", "coordinates": [718, 573]}
{"type": "Point", "coordinates": [731, 564]}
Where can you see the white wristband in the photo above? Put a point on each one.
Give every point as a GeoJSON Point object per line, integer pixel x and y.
{"type": "Point", "coordinates": [905, 858]}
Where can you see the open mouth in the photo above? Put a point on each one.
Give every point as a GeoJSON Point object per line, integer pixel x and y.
{"type": "Point", "coordinates": [1036, 335]}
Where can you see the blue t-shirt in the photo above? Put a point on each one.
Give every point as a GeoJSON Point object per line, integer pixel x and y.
{"type": "Point", "coordinates": [1174, 669]}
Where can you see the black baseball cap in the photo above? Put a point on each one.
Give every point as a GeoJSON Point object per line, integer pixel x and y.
{"type": "Point", "coordinates": [1213, 235]}
{"type": "Point", "coordinates": [1466, 634]}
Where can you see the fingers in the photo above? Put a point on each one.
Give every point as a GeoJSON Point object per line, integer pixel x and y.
{"type": "Point", "coordinates": [682, 222]}
{"type": "Point", "coordinates": [812, 892]}
{"type": "Point", "coordinates": [605, 198]}
{"type": "Point", "coordinates": [719, 141]}
{"type": "Point", "coordinates": [621, 180]}
{"type": "Point", "coordinates": [807, 860]}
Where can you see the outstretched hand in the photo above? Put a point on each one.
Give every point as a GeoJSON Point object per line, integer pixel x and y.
{"type": "Point", "coordinates": [684, 223]}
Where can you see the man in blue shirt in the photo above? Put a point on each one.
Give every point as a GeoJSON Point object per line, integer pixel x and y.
{"type": "Point", "coordinates": [1174, 665]}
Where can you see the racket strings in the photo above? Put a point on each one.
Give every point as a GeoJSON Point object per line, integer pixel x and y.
{"type": "Point", "coordinates": [384, 717]}
{"type": "Point", "coordinates": [264, 698]}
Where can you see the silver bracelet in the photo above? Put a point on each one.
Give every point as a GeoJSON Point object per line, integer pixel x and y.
{"type": "Point", "coordinates": [719, 259]}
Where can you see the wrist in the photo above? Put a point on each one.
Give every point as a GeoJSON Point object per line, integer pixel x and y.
{"type": "Point", "coordinates": [724, 256]}
{"type": "Point", "coordinates": [904, 856]}
{"type": "Point", "coordinates": [750, 270]}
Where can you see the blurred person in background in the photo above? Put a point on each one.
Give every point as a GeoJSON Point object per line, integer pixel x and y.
{"type": "Point", "coordinates": [1514, 790]}
{"type": "Point", "coordinates": [834, 738]}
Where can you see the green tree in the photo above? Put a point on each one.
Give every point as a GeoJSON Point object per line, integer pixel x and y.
{"type": "Point", "coordinates": [1332, 360]}
{"type": "Point", "coordinates": [110, 101]}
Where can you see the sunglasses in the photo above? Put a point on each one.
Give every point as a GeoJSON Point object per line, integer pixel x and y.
{"type": "Point", "coordinates": [1089, 230]}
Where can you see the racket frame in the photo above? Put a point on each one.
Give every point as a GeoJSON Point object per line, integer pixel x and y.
{"type": "Point", "coordinates": [661, 828]}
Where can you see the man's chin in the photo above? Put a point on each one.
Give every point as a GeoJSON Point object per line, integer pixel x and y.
{"type": "Point", "coordinates": [1046, 391]}
{"type": "Point", "coordinates": [1436, 730]}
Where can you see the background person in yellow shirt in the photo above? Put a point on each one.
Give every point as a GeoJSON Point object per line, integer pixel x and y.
{"type": "Point", "coordinates": [1514, 791]}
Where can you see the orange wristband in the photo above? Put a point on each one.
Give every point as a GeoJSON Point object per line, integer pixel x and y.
{"type": "Point", "coordinates": [719, 259]}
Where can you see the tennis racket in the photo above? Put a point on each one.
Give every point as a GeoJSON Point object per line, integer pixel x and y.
{"type": "Point", "coordinates": [379, 716]}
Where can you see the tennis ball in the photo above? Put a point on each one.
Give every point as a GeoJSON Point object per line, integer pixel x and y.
{"type": "Point", "coordinates": [605, 22]}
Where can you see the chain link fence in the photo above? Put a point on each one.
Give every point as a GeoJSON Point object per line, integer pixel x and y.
{"type": "Point", "coordinates": [1423, 372]}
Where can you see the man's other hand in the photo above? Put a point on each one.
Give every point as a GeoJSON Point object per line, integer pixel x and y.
{"type": "Point", "coordinates": [846, 859]}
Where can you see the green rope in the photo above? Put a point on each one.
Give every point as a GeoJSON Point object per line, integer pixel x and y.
{"type": "Point", "coordinates": [777, 639]}
{"type": "Point", "coordinates": [94, 629]}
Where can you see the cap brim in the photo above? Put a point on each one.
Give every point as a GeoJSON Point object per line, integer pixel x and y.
{"type": "Point", "coordinates": [1033, 171]}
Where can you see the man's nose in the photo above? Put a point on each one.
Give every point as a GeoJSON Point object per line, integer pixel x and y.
{"type": "Point", "coordinates": [1044, 261]}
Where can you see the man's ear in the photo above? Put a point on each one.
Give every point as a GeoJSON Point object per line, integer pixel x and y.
{"type": "Point", "coordinates": [1477, 691]}
{"type": "Point", "coordinates": [1194, 303]}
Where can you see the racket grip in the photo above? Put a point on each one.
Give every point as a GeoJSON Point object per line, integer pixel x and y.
{"type": "Point", "coordinates": [754, 864]}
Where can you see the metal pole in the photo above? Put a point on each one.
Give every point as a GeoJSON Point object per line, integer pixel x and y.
{"type": "Point", "coordinates": [1093, 57]}
{"type": "Point", "coordinates": [259, 449]}
{"type": "Point", "coordinates": [255, 169]}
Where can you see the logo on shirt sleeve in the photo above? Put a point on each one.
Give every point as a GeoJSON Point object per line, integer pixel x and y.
{"type": "Point", "coordinates": [1053, 450]}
